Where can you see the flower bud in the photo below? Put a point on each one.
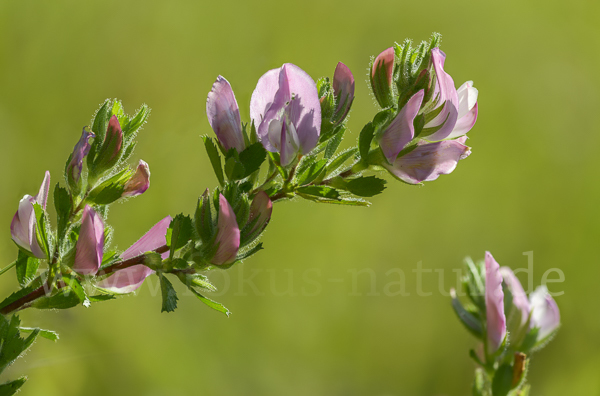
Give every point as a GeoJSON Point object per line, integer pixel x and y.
{"type": "Point", "coordinates": [494, 305]}
{"type": "Point", "coordinates": [129, 279]}
{"type": "Point", "coordinates": [260, 215]}
{"type": "Point", "coordinates": [227, 241]}
{"type": "Point", "coordinates": [517, 314]}
{"type": "Point", "coordinates": [110, 152]}
{"type": "Point", "coordinates": [382, 72]}
{"type": "Point", "coordinates": [545, 315]}
{"type": "Point", "coordinates": [90, 244]}
{"type": "Point", "coordinates": [139, 182]}
{"type": "Point", "coordinates": [224, 115]}
{"type": "Point", "coordinates": [343, 88]}
{"type": "Point", "coordinates": [75, 165]}
{"type": "Point", "coordinates": [24, 224]}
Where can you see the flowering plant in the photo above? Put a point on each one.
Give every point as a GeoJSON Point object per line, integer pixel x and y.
{"type": "Point", "coordinates": [290, 148]}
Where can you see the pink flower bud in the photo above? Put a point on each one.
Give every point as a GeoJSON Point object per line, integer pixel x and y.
{"type": "Point", "coordinates": [224, 115]}
{"type": "Point", "coordinates": [139, 182]}
{"type": "Point", "coordinates": [494, 305]}
{"type": "Point", "coordinates": [382, 80]}
{"type": "Point", "coordinates": [24, 223]}
{"type": "Point", "coordinates": [228, 234]}
{"type": "Point", "coordinates": [90, 245]}
{"type": "Point", "coordinates": [544, 312]}
{"type": "Point", "coordinates": [82, 148]}
{"type": "Point", "coordinates": [343, 88]}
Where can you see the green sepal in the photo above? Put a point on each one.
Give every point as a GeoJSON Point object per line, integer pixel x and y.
{"type": "Point", "coordinates": [111, 189]}
{"type": "Point", "coordinates": [26, 268]}
{"type": "Point", "coordinates": [215, 158]}
{"type": "Point", "coordinates": [179, 233]}
{"type": "Point", "coordinates": [502, 382]}
{"type": "Point", "coordinates": [203, 218]}
{"type": "Point", "coordinates": [47, 334]}
{"type": "Point", "coordinates": [468, 319]}
{"type": "Point", "coordinates": [42, 229]}
{"type": "Point", "coordinates": [169, 295]}
{"type": "Point", "coordinates": [99, 126]}
{"type": "Point", "coordinates": [11, 387]}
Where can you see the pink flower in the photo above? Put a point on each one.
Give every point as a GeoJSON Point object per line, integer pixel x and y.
{"type": "Point", "coordinates": [286, 112]}
{"type": "Point", "coordinates": [494, 305]}
{"type": "Point", "coordinates": [129, 279]}
{"type": "Point", "coordinates": [228, 235]}
{"type": "Point", "coordinates": [139, 182]}
{"type": "Point", "coordinates": [24, 223]}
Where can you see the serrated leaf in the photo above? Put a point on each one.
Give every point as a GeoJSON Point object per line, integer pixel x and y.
{"type": "Point", "coordinates": [311, 172]}
{"type": "Point", "coordinates": [169, 295]}
{"type": "Point", "coordinates": [111, 189]}
{"type": "Point", "coordinates": [213, 304]}
{"type": "Point", "coordinates": [252, 158]}
{"type": "Point", "coordinates": [215, 158]}
{"type": "Point", "coordinates": [364, 141]}
{"type": "Point", "coordinates": [319, 191]}
{"type": "Point", "coordinates": [336, 165]}
{"type": "Point", "coordinates": [47, 334]}
{"type": "Point", "coordinates": [366, 186]}
{"type": "Point", "coordinates": [334, 143]}
{"type": "Point", "coordinates": [179, 233]}
{"type": "Point", "coordinates": [12, 345]}
{"type": "Point", "coordinates": [62, 204]}
{"type": "Point", "coordinates": [26, 268]}
{"type": "Point", "coordinates": [11, 387]}
{"type": "Point", "coordinates": [65, 298]}
{"type": "Point", "coordinates": [234, 169]}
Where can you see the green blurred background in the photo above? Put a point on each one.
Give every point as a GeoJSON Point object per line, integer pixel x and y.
{"type": "Point", "coordinates": [531, 184]}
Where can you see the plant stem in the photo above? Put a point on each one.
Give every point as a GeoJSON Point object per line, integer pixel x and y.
{"type": "Point", "coordinates": [23, 302]}
{"type": "Point", "coordinates": [9, 266]}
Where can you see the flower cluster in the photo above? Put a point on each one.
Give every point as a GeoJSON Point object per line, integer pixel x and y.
{"type": "Point", "coordinates": [510, 324]}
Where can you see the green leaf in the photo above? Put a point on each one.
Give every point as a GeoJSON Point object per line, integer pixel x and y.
{"type": "Point", "coordinates": [179, 233]}
{"type": "Point", "coordinates": [334, 143]}
{"type": "Point", "coordinates": [11, 387]}
{"type": "Point", "coordinates": [169, 295]}
{"type": "Point", "coordinates": [75, 285]}
{"type": "Point", "coordinates": [215, 158]}
{"type": "Point", "coordinates": [131, 128]}
{"type": "Point", "coordinates": [480, 384]}
{"type": "Point", "coordinates": [252, 158]}
{"type": "Point", "coordinates": [249, 252]}
{"type": "Point", "coordinates": [310, 173]}
{"type": "Point", "coordinates": [48, 334]}
{"type": "Point", "coordinates": [502, 381]}
{"type": "Point", "coordinates": [11, 343]}
{"type": "Point", "coordinates": [101, 297]}
{"type": "Point", "coordinates": [41, 228]}
{"type": "Point", "coordinates": [26, 268]}
{"type": "Point", "coordinates": [335, 166]}
{"type": "Point", "coordinates": [343, 201]}
{"type": "Point", "coordinates": [234, 169]}
{"type": "Point", "coordinates": [100, 124]}
{"type": "Point", "coordinates": [364, 141]}
{"type": "Point", "coordinates": [62, 204]}
{"type": "Point", "coordinates": [366, 186]}
{"type": "Point", "coordinates": [65, 298]}
{"type": "Point", "coordinates": [319, 191]}
{"type": "Point", "coordinates": [213, 304]}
